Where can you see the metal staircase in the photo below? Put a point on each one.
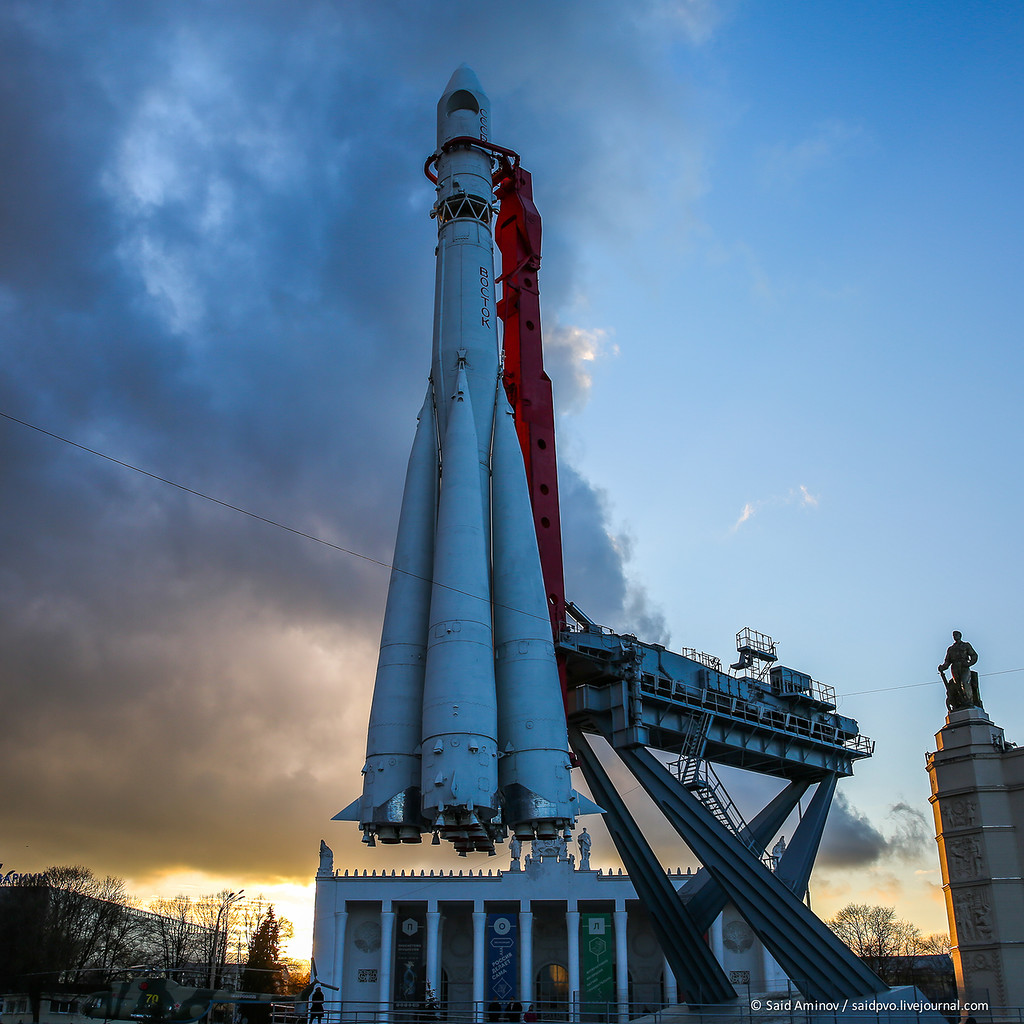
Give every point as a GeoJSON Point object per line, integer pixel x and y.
{"type": "Point", "coordinates": [696, 775]}
{"type": "Point", "coordinates": [691, 750]}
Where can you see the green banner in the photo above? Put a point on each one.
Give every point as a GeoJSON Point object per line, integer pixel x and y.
{"type": "Point", "coordinates": [597, 952]}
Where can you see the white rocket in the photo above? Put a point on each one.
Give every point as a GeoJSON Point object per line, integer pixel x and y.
{"type": "Point", "coordinates": [467, 734]}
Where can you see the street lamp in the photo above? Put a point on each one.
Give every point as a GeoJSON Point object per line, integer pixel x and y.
{"type": "Point", "coordinates": [231, 897]}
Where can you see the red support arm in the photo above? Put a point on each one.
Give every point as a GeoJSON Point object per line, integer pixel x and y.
{"type": "Point", "coordinates": [518, 234]}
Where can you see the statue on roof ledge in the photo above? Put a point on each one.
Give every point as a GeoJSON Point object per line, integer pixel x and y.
{"type": "Point", "coordinates": [326, 859]}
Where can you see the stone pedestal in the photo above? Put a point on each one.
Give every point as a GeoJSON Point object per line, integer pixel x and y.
{"type": "Point", "coordinates": [977, 782]}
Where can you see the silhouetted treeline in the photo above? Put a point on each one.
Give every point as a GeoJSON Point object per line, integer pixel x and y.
{"type": "Point", "coordinates": [67, 930]}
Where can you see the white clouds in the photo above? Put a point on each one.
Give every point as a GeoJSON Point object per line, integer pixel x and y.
{"type": "Point", "coordinates": [807, 499]}
{"type": "Point", "coordinates": [698, 18]}
{"type": "Point", "coordinates": [148, 170]}
{"type": "Point", "coordinates": [798, 497]}
{"type": "Point", "coordinates": [258, 330]}
{"type": "Point", "coordinates": [169, 279]}
{"type": "Point", "coordinates": [203, 158]}
{"type": "Point", "coordinates": [747, 513]}
{"type": "Point", "coordinates": [831, 141]}
{"type": "Point", "coordinates": [569, 356]}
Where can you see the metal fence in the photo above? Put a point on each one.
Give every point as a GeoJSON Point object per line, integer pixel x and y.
{"type": "Point", "coordinates": [770, 1009]}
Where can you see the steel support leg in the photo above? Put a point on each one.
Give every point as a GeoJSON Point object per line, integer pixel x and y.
{"type": "Point", "coordinates": [698, 973]}
{"type": "Point", "coordinates": [705, 898]}
{"type": "Point", "coordinates": [818, 963]}
{"type": "Point", "coordinates": [795, 866]}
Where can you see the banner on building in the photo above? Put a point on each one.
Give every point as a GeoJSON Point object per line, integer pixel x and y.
{"type": "Point", "coordinates": [597, 949]}
{"type": "Point", "coordinates": [410, 974]}
{"type": "Point", "coordinates": [502, 961]}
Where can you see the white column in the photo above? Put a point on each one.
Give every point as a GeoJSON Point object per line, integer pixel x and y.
{"type": "Point", "coordinates": [717, 943]}
{"type": "Point", "coordinates": [671, 986]}
{"type": "Point", "coordinates": [387, 933]}
{"type": "Point", "coordinates": [433, 951]}
{"type": "Point", "coordinates": [525, 957]}
{"type": "Point", "coordinates": [621, 966]}
{"type": "Point", "coordinates": [479, 941]}
{"type": "Point", "coordinates": [572, 925]}
{"type": "Point", "coordinates": [338, 970]}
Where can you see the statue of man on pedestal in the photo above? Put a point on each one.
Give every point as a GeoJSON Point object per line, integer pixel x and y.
{"type": "Point", "coordinates": [584, 844]}
{"type": "Point", "coordinates": [962, 686]}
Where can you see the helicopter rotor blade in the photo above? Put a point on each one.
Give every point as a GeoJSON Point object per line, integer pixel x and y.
{"type": "Point", "coordinates": [315, 980]}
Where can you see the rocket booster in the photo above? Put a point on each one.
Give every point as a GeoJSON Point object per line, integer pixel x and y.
{"type": "Point", "coordinates": [467, 735]}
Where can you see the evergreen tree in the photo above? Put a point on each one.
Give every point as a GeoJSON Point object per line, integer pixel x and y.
{"type": "Point", "coordinates": [262, 968]}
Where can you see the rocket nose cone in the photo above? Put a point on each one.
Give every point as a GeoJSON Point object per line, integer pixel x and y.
{"type": "Point", "coordinates": [463, 77]}
{"type": "Point", "coordinates": [464, 108]}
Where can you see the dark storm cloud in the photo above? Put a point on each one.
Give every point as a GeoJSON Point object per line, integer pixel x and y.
{"type": "Point", "coordinates": [851, 840]}
{"type": "Point", "coordinates": [215, 264]}
{"type": "Point", "coordinates": [594, 563]}
{"type": "Point", "coordinates": [911, 836]}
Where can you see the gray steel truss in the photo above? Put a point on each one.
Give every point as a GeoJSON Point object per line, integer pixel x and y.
{"type": "Point", "coordinates": [818, 963]}
{"type": "Point", "coordinates": [698, 974]}
{"type": "Point", "coordinates": [705, 898]}
{"type": "Point", "coordinates": [769, 719]}
{"type": "Point", "coordinates": [795, 866]}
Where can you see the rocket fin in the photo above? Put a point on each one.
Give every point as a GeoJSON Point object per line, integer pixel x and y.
{"type": "Point", "coordinates": [534, 777]}
{"type": "Point", "coordinates": [459, 712]}
{"type": "Point", "coordinates": [350, 813]}
{"type": "Point", "coordinates": [586, 806]}
{"type": "Point", "coordinates": [390, 804]}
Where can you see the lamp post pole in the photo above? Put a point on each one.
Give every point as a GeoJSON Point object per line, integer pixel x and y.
{"type": "Point", "coordinates": [231, 897]}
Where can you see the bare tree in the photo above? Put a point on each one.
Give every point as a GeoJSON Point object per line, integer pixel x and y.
{"type": "Point", "coordinates": [121, 927]}
{"type": "Point", "coordinates": [63, 922]}
{"type": "Point", "coordinates": [213, 915]}
{"type": "Point", "coordinates": [877, 936]}
{"type": "Point", "coordinates": [935, 944]}
{"type": "Point", "coordinates": [89, 922]}
{"type": "Point", "coordinates": [177, 937]}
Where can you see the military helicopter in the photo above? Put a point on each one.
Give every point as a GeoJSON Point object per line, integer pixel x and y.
{"type": "Point", "coordinates": [150, 997]}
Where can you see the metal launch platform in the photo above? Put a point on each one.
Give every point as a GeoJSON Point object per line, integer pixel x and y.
{"type": "Point", "coordinates": [760, 716]}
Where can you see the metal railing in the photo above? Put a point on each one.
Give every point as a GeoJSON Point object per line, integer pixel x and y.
{"type": "Point", "coordinates": [778, 1008]}
{"type": "Point", "coordinates": [781, 720]}
{"type": "Point", "coordinates": [702, 658]}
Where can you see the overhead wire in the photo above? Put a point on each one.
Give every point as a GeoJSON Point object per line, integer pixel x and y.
{"type": "Point", "coordinates": [930, 682]}
{"type": "Point", "coordinates": [358, 554]}
{"type": "Point", "coordinates": [252, 515]}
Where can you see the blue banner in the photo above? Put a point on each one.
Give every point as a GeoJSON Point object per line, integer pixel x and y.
{"type": "Point", "coordinates": [409, 985]}
{"type": "Point", "coordinates": [502, 958]}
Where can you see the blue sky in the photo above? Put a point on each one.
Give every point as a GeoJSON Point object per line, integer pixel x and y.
{"type": "Point", "coordinates": [782, 307]}
{"type": "Point", "coordinates": [817, 353]}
